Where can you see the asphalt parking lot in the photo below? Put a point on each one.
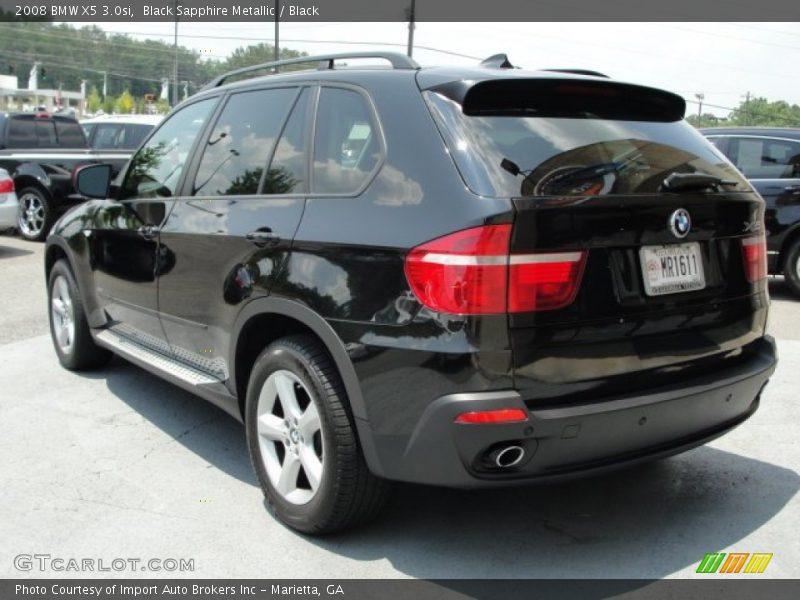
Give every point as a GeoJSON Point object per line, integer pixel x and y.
{"type": "Point", "coordinates": [117, 463]}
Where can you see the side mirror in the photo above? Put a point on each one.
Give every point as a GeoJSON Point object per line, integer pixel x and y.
{"type": "Point", "coordinates": [92, 181]}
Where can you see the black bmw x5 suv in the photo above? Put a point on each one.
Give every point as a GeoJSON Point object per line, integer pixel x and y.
{"type": "Point", "coordinates": [452, 276]}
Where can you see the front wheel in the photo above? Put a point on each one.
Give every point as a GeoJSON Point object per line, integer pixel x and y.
{"type": "Point", "coordinates": [303, 443]}
{"type": "Point", "coordinates": [36, 214]}
{"type": "Point", "coordinates": [791, 268]}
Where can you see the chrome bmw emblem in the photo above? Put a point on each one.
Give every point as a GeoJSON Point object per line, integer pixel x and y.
{"type": "Point", "coordinates": [680, 223]}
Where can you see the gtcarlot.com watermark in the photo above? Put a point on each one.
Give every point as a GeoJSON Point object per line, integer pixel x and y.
{"type": "Point", "coordinates": [60, 564]}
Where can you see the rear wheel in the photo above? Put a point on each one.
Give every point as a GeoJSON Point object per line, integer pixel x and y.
{"type": "Point", "coordinates": [791, 268]}
{"type": "Point", "coordinates": [36, 214]}
{"type": "Point", "coordinates": [69, 328]}
{"type": "Point", "coordinates": [303, 442]}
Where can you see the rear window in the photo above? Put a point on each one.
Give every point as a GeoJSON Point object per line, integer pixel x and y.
{"type": "Point", "coordinates": [566, 150]}
{"type": "Point", "coordinates": [70, 134]}
{"type": "Point", "coordinates": [31, 132]}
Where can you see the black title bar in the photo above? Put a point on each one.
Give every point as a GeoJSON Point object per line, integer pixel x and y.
{"type": "Point", "coordinates": [87, 11]}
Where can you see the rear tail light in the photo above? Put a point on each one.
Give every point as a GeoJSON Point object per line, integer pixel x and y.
{"type": "Point", "coordinates": [502, 415]}
{"type": "Point", "coordinates": [754, 253]}
{"type": "Point", "coordinates": [6, 186]}
{"type": "Point", "coordinates": [471, 272]}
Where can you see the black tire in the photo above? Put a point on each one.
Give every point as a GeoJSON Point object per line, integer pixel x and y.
{"type": "Point", "coordinates": [82, 353]}
{"type": "Point", "coordinates": [791, 268]}
{"type": "Point", "coordinates": [348, 494]}
{"type": "Point", "coordinates": [36, 214]}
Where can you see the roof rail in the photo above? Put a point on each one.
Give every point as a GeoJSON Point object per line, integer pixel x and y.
{"type": "Point", "coordinates": [397, 60]}
{"type": "Point", "coordinates": [578, 72]}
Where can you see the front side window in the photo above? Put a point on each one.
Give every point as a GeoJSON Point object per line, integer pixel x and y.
{"type": "Point", "coordinates": [763, 158]}
{"type": "Point", "coordinates": [156, 168]}
{"type": "Point", "coordinates": [346, 146]}
{"type": "Point", "coordinates": [241, 142]}
{"type": "Point", "coordinates": [287, 171]}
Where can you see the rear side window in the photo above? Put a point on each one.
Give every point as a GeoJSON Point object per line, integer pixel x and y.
{"type": "Point", "coordinates": [509, 151]}
{"type": "Point", "coordinates": [70, 134]}
{"type": "Point", "coordinates": [241, 142]}
{"type": "Point", "coordinates": [107, 136]}
{"type": "Point", "coordinates": [346, 145]}
{"type": "Point", "coordinates": [765, 158]}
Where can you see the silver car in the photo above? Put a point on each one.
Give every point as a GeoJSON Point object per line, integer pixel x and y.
{"type": "Point", "coordinates": [9, 205]}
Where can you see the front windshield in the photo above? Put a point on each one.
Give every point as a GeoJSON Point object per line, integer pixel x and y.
{"type": "Point", "coordinates": [572, 156]}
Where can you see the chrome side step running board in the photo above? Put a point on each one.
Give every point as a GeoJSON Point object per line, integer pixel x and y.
{"type": "Point", "coordinates": [128, 348]}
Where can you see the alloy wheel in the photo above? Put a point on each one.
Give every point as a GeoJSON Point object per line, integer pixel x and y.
{"type": "Point", "coordinates": [31, 215]}
{"type": "Point", "coordinates": [290, 437]}
{"type": "Point", "coordinates": [63, 315]}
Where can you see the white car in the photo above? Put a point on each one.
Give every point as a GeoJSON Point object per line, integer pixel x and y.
{"type": "Point", "coordinates": [118, 132]}
{"type": "Point", "coordinates": [9, 205]}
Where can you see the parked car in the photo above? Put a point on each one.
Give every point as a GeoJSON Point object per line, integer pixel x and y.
{"type": "Point", "coordinates": [464, 277]}
{"type": "Point", "coordinates": [9, 206]}
{"type": "Point", "coordinates": [770, 159]}
{"type": "Point", "coordinates": [40, 151]}
{"type": "Point", "coordinates": [119, 132]}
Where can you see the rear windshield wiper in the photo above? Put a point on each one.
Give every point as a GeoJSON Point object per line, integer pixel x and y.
{"type": "Point", "coordinates": [682, 182]}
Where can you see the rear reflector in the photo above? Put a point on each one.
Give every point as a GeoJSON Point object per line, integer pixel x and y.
{"type": "Point", "coordinates": [471, 272]}
{"type": "Point", "coordinates": [6, 186]}
{"type": "Point", "coordinates": [544, 281]}
{"type": "Point", "coordinates": [754, 253]}
{"type": "Point", "coordinates": [484, 417]}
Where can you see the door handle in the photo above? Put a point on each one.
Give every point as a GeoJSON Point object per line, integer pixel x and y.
{"type": "Point", "coordinates": [263, 238]}
{"type": "Point", "coordinates": [792, 188]}
{"type": "Point", "coordinates": [148, 232]}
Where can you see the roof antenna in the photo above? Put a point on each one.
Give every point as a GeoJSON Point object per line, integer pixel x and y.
{"type": "Point", "coordinates": [497, 61]}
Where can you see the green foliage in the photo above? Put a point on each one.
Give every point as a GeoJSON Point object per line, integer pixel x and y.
{"type": "Point", "coordinates": [125, 103]}
{"type": "Point", "coordinates": [93, 100]}
{"type": "Point", "coordinates": [760, 111]}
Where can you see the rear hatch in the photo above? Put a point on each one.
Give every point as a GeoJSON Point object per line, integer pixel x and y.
{"type": "Point", "coordinates": [638, 248]}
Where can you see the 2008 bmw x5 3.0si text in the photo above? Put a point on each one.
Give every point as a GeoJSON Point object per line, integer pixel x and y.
{"type": "Point", "coordinates": [459, 277]}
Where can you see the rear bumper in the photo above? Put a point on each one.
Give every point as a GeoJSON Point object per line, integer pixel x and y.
{"type": "Point", "coordinates": [9, 211]}
{"type": "Point", "coordinates": [572, 440]}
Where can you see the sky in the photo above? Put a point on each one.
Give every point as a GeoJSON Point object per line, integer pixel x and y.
{"type": "Point", "coordinates": [722, 61]}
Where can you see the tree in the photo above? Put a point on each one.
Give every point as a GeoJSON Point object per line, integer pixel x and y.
{"type": "Point", "coordinates": [760, 111]}
{"type": "Point", "coordinates": [93, 100]}
{"type": "Point", "coordinates": [125, 103]}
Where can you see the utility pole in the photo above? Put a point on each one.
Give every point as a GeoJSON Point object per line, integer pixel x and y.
{"type": "Point", "coordinates": [105, 84]}
{"type": "Point", "coordinates": [411, 20]}
{"type": "Point", "coordinates": [746, 110]}
{"type": "Point", "coordinates": [277, 32]}
{"type": "Point", "coordinates": [700, 97]}
{"type": "Point", "coordinates": [175, 66]}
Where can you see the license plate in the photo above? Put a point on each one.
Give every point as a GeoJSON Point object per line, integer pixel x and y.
{"type": "Point", "coordinates": [672, 269]}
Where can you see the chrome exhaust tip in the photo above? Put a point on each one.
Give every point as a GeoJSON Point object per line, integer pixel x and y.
{"type": "Point", "coordinates": [507, 456]}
